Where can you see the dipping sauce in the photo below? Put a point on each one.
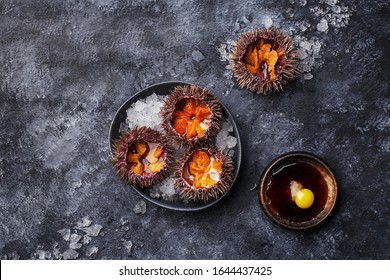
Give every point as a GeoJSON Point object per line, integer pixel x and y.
{"type": "Point", "coordinates": [278, 194]}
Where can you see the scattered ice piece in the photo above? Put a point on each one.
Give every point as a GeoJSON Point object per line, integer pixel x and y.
{"type": "Point", "coordinates": [56, 252]}
{"type": "Point", "coordinates": [266, 21]}
{"type": "Point", "coordinates": [74, 239]}
{"type": "Point", "coordinates": [230, 153]}
{"type": "Point", "coordinates": [140, 207]}
{"type": "Point", "coordinates": [92, 230]}
{"type": "Point", "coordinates": [302, 3]}
{"type": "Point", "coordinates": [343, 110]}
{"type": "Point", "coordinates": [225, 50]}
{"type": "Point", "coordinates": [85, 222]}
{"type": "Point", "coordinates": [41, 254]}
{"type": "Point", "coordinates": [91, 250]}
{"type": "Point", "coordinates": [322, 26]}
{"type": "Point", "coordinates": [70, 254]}
{"type": "Point", "coordinates": [198, 56]}
{"type": "Point", "coordinates": [336, 9]}
{"type": "Point", "coordinates": [77, 184]}
{"type": "Point", "coordinates": [331, 2]}
{"type": "Point", "coordinates": [65, 232]}
{"type": "Point", "coordinates": [86, 239]}
{"type": "Point", "coordinates": [307, 76]}
{"type": "Point", "coordinates": [128, 245]}
{"type": "Point", "coordinates": [123, 221]}
{"type": "Point", "coordinates": [11, 256]}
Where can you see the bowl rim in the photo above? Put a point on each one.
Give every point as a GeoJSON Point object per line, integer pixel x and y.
{"type": "Point", "coordinates": [278, 160]}
{"type": "Point", "coordinates": [237, 163]}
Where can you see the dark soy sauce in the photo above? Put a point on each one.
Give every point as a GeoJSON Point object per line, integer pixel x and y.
{"type": "Point", "coordinates": [278, 193]}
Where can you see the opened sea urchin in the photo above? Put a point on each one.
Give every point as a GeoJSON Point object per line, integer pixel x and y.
{"type": "Point", "coordinates": [204, 174]}
{"type": "Point", "coordinates": [264, 60]}
{"type": "Point", "coordinates": [191, 115]}
{"type": "Point", "coordinates": [142, 157]}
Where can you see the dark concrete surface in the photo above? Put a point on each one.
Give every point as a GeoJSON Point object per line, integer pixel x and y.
{"type": "Point", "coordinates": [67, 66]}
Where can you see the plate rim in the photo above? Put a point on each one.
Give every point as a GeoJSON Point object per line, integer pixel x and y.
{"type": "Point", "coordinates": [158, 202]}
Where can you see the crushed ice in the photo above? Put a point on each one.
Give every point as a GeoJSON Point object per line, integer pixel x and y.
{"type": "Point", "coordinates": [146, 112]}
{"type": "Point", "coordinates": [165, 189]}
{"type": "Point", "coordinates": [76, 239]}
{"type": "Point", "coordinates": [224, 141]}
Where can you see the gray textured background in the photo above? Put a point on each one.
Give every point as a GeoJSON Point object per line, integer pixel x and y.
{"type": "Point", "coordinates": [67, 66]}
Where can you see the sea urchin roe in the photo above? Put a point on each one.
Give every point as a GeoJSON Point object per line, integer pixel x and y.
{"type": "Point", "coordinates": [302, 197]}
{"type": "Point", "coordinates": [260, 58]}
{"type": "Point", "coordinates": [204, 170]}
{"type": "Point", "coordinates": [145, 157]}
{"type": "Point", "coordinates": [192, 120]}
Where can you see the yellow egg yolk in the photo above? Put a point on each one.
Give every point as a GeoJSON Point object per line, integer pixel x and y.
{"type": "Point", "coordinates": [302, 197]}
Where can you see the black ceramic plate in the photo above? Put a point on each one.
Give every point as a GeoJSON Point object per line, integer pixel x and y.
{"type": "Point", "coordinates": [164, 89]}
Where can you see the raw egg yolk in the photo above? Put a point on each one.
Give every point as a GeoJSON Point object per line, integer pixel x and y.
{"type": "Point", "coordinates": [304, 198]}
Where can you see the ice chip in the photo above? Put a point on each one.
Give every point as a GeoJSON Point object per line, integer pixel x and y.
{"type": "Point", "coordinates": [128, 245]}
{"type": "Point", "coordinates": [307, 76]}
{"type": "Point", "coordinates": [70, 254]}
{"type": "Point", "coordinates": [91, 250]}
{"type": "Point", "coordinates": [322, 26]}
{"type": "Point", "coordinates": [266, 21]}
{"type": "Point", "coordinates": [140, 207]}
{"type": "Point", "coordinates": [74, 239]}
{"type": "Point", "coordinates": [84, 222]}
{"type": "Point", "coordinates": [92, 230]}
{"type": "Point", "coordinates": [65, 234]}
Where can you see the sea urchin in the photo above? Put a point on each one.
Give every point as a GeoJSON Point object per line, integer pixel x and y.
{"type": "Point", "coordinates": [142, 157]}
{"type": "Point", "coordinates": [264, 60]}
{"type": "Point", "coordinates": [191, 115]}
{"type": "Point", "coordinates": [204, 174]}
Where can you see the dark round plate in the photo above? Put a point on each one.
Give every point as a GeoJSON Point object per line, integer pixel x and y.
{"type": "Point", "coordinates": [164, 89]}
